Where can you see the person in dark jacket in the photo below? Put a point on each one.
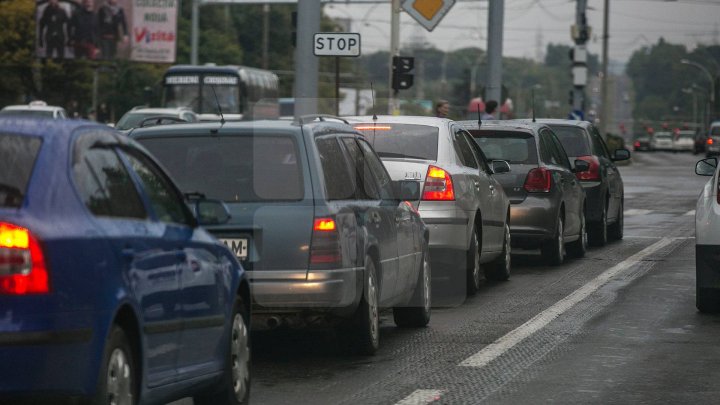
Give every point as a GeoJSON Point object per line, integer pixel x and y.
{"type": "Point", "coordinates": [83, 30]}
{"type": "Point", "coordinates": [53, 25]}
{"type": "Point", "coordinates": [111, 28]}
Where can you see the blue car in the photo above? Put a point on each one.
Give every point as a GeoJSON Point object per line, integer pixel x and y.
{"type": "Point", "coordinates": [109, 289]}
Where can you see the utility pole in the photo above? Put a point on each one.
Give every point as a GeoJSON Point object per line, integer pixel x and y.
{"type": "Point", "coordinates": [495, 40]}
{"type": "Point", "coordinates": [194, 26]}
{"type": "Point", "coordinates": [580, 34]}
{"type": "Point", "coordinates": [265, 36]}
{"type": "Point", "coordinates": [394, 51]}
{"type": "Point", "coordinates": [605, 116]}
{"type": "Point", "coordinates": [306, 63]}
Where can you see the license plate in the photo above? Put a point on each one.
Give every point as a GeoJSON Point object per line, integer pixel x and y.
{"type": "Point", "coordinates": [239, 247]}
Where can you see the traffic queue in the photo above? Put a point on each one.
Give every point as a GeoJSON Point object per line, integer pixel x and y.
{"type": "Point", "coordinates": [145, 258]}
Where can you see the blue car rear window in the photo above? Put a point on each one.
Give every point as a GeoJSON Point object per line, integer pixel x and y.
{"type": "Point", "coordinates": [17, 158]}
{"type": "Point", "coordinates": [232, 168]}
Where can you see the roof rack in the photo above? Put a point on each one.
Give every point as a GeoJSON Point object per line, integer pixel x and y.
{"type": "Point", "coordinates": [304, 119]}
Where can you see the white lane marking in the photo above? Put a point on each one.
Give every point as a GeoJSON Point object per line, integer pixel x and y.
{"type": "Point", "coordinates": [421, 397]}
{"type": "Point", "coordinates": [637, 212]}
{"type": "Point", "coordinates": [512, 338]}
{"type": "Point", "coordinates": [658, 237]}
{"type": "Point", "coordinates": [689, 213]}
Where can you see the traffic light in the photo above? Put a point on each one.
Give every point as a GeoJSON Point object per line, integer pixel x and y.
{"type": "Point", "coordinates": [402, 79]}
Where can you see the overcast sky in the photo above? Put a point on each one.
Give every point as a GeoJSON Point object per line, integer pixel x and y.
{"type": "Point", "coordinates": [531, 24]}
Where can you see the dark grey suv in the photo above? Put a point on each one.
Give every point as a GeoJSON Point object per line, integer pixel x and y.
{"type": "Point", "coordinates": [602, 182]}
{"type": "Point", "coordinates": [321, 229]}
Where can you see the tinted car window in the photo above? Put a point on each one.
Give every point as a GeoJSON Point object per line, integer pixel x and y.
{"type": "Point", "coordinates": [338, 183]}
{"type": "Point", "coordinates": [515, 147]}
{"type": "Point", "coordinates": [477, 152]}
{"type": "Point", "coordinates": [573, 139]}
{"type": "Point", "coordinates": [233, 168]}
{"type": "Point", "coordinates": [366, 189]}
{"type": "Point", "coordinates": [165, 200]}
{"type": "Point", "coordinates": [404, 141]}
{"type": "Point", "coordinates": [558, 151]}
{"type": "Point", "coordinates": [17, 158]}
{"type": "Point", "coordinates": [463, 149]}
{"type": "Point", "coordinates": [105, 185]}
{"type": "Point", "coordinates": [378, 170]}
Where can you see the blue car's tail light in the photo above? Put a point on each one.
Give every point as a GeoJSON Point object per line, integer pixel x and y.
{"type": "Point", "coordinates": [22, 264]}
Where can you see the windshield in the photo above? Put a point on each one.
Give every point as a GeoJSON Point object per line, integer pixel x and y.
{"type": "Point", "coordinates": [182, 95]}
{"type": "Point", "coordinates": [227, 95]}
{"type": "Point", "coordinates": [232, 169]}
{"type": "Point", "coordinates": [17, 158]}
{"type": "Point", "coordinates": [573, 139]}
{"type": "Point", "coordinates": [28, 113]}
{"type": "Point", "coordinates": [403, 141]}
{"type": "Point", "coordinates": [515, 147]}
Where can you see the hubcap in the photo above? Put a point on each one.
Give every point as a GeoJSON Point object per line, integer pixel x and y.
{"type": "Point", "coordinates": [507, 249]}
{"type": "Point", "coordinates": [240, 352]}
{"type": "Point", "coordinates": [476, 263]}
{"type": "Point", "coordinates": [426, 282]}
{"type": "Point", "coordinates": [584, 235]}
{"type": "Point", "coordinates": [560, 239]}
{"type": "Point", "coordinates": [373, 310]}
{"type": "Point", "coordinates": [119, 379]}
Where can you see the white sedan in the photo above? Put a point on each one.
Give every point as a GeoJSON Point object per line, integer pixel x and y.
{"type": "Point", "coordinates": [684, 141]}
{"type": "Point", "coordinates": [707, 239]}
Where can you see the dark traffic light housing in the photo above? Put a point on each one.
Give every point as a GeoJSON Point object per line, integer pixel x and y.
{"type": "Point", "coordinates": [402, 78]}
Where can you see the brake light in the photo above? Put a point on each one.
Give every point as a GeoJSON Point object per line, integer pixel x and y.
{"type": "Point", "coordinates": [538, 180]}
{"type": "Point", "coordinates": [593, 173]}
{"type": "Point", "coordinates": [373, 128]}
{"type": "Point", "coordinates": [637, 144]}
{"type": "Point", "coordinates": [710, 141]}
{"type": "Point", "coordinates": [22, 264]}
{"type": "Point", "coordinates": [325, 249]}
{"type": "Point", "coordinates": [438, 185]}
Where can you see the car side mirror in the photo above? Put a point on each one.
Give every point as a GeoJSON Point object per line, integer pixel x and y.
{"type": "Point", "coordinates": [621, 154]}
{"type": "Point", "coordinates": [706, 167]}
{"type": "Point", "coordinates": [406, 190]}
{"type": "Point", "coordinates": [581, 166]}
{"type": "Point", "coordinates": [500, 166]}
{"type": "Point", "coordinates": [211, 212]}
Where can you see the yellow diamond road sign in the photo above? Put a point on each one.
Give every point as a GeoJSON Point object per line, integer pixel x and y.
{"type": "Point", "coordinates": [427, 12]}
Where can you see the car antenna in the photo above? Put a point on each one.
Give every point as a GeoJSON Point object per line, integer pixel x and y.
{"type": "Point", "coordinates": [479, 116]}
{"type": "Point", "coordinates": [222, 119]}
{"type": "Point", "coordinates": [372, 93]}
{"type": "Point", "coordinates": [532, 90]}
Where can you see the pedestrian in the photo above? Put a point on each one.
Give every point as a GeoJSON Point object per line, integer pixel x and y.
{"type": "Point", "coordinates": [53, 25]}
{"type": "Point", "coordinates": [489, 113]}
{"type": "Point", "coordinates": [83, 31]}
{"type": "Point", "coordinates": [73, 109]}
{"type": "Point", "coordinates": [442, 108]}
{"type": "Point", "coordinates": [112, 28]}
{"type": "Point", "coordinates": [103, 113]}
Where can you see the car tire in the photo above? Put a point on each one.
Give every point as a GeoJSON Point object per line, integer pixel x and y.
{"type": "Point", "coordinates": [416, 314]}
{"type": "Point", "coordinates": [472, 281]}
{"type": "Point", "coordinates": [365, 325]}
{"type": "Point", "coordinates": [707, 300]}
{"type": "Point", "coordinates": [234, 388]}
{"type": "Point", "coordinates": [118, 377]}
{"type": "Point", "coordinates": [578, 248]}
{"type": "Point", "coordinates": [553, 250]}
{"type": "Point", "coordinates": [598, 234]}
{"type": "Point", "coordinates": [499, 269]}
{"type": "Point", "coordinates": [616, 230]}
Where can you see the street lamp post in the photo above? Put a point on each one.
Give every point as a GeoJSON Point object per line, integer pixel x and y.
{"type": "Point", "coordinates": [711, 98]}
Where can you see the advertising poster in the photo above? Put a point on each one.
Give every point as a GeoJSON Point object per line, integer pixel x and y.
{"type": "Point", "coordinates": [139, 30]}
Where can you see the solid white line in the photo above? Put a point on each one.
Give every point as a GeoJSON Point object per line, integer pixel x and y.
{"type": "Point", "coordinates": [691, 212]}
{"type": "Point", "coordinates": [421, 397]}
{"type": "Point", "coordinates": [505, 343]}
{"type": "Point", "coordinates": [658, 237]}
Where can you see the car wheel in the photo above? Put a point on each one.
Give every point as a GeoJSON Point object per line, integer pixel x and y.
{"type": "Point", "coordinates": [235, 386]}
{"type": "Point", "coordinates": [707, 300]}
{"type": "Point", "coordinates": [473, 265]}
{"type": "Point", "coordinates": [578, 248]}
{"type": "Point", "coordinates": [366, 321]}
{"type": "Point", "coordinates": [598, 231]}
{"type": "Point", "coordinates": [615, 231]}
{"type": "Point", "coordinates": [416, 313]}
{"type": "Point", "coordinates": [118, 377]}
{"type": "Point", "coordinates": [499, 269]}
{"type": "Point", "coordinates": [553, 250]}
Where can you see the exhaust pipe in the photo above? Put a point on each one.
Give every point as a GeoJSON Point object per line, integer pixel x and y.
{"type": "Point", "coordinates": [273, 322]}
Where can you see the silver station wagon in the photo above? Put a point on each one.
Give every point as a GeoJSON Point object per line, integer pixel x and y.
{"type": "Point", "coordinates": [462, 203]}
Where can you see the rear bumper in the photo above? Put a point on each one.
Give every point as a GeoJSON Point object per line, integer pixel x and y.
{"type": "Point", "coordinates": [448, 228]}
{"type": "Point", "coordinates": [299, 290]}
{"type": "Point", "coordinates": [533, 220]}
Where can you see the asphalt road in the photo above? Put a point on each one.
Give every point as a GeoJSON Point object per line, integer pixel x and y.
{"type": "Point", "coordinates": [617, 326]}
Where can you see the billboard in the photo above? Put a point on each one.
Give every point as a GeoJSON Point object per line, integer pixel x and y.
{"type": "Point", "coordinates": [139, 30]}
